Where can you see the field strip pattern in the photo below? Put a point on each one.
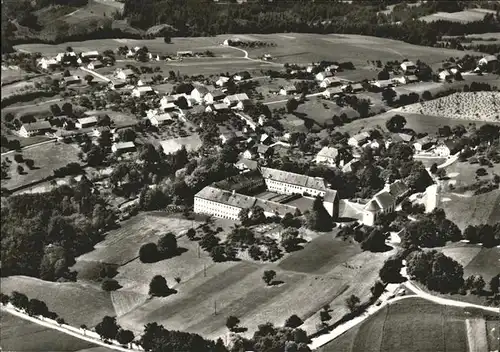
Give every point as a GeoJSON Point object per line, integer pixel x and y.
{"type": "Point", "coordinates": [476, 335]}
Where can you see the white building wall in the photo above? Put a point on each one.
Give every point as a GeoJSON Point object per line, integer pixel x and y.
{"type": "Point", "coordinates": [218, 210]}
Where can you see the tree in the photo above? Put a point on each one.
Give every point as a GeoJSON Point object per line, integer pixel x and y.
{"type": "Point", "coordinates": [107, 328]}
{"type": "Point", "coordinates": [167, 39]}
{"type": "Point", "coordinates": [293, 321]}
{"type": "Point", "coordinates": [89, 79]}
{"type": "Point", "coordinates": [55, 109]}
{"type": "Point", "coordinates": [375, 242]}
{"type": "Point", "coordinates": [67, 109]}
{"type": "Point", "coordinates": [29, 163]}
{"type": "Point", "coordinates": [232, 322]}
{"type": "Point", "coordinates": [19, 300]}
{"type": "Point", "coordinates": [218, 253]}
{"type": "Point", "coordinates": [289, 239]}
{"type": "Point", "coordinates": [426, 95]}
{"type": "Point", "coordinates": [124, 336]}
{"type": "Point", "coordinates": [37, 307]}
{"type": "Point", "coordinates": [110, 285]}
{"type": "Point", "coordinates": [127, 135]}
{"type": "Point", "coordinates": [475, 283]}
{"type": "Point", "coordinates": [377, 289]}
{"type": "Point", "coordinates": [495, 283]}
{"type": "Point", "coordinates": [191, 234]}
{"type": "Point", "coordinates": [61, 321]}
{"type": "Point", "coordinates": [396, 123]}
{"type": "Point", "coordinates": [148, 253]}
{"type": "Point", "coordinates": [269, 276]}
{"type": "Point", "coordinates": [471, 234]}
{"type": "Point", "coordinates": [391, 271]}
{"type": "Point", "coordinates": [383, 75]}
{"type": "Point", "coordinates": [291, 105]}
{"type": "Point", "coordinates": [167, 245]}
{"type": "Point", "coordinates": [158, 287]}
{"type": "Point", "coordinates": [324, 315]}
{"type": "Point", "coordinates": [4, 298]}
{"type": "Point", "coordinates": [352, 303]}
{"type": "Point", "coordinates": [388, 95]}
{"type": "Point", "coordinates": [318, 218]}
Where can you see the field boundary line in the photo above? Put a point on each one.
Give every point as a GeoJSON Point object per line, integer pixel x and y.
{"type": "Point", "coordinates": [64, 330]}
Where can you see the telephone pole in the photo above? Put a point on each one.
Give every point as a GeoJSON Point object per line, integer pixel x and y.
{"type": "Point", "coordinates": [215, 307]}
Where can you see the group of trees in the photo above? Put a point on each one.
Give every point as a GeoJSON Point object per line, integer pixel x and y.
{"type": "Point", "coordinates": [33, 307]}
{"type": "Point", "coordinates": [54, 227]}
{"type": "Point", "coordinates": [165, 248]}
{"type": "Point", "coordinates": [108, 329]}
{"type": "Point", "coordinates": [486, 234]}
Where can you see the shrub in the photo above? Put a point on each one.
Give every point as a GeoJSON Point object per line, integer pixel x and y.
{"type": "Point", "coordinates": [110, 285]}
{"type": "Point", "coordinates": [293, 321]}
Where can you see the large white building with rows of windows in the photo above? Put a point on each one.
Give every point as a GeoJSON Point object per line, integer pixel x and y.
{"type": "Point", "coordinates": [225, 204]}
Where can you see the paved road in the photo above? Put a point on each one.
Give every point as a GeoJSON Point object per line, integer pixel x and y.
{"type": "Point", "coordinates": [285, 100]}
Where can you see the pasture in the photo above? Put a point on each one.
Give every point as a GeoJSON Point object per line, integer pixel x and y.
{"type": "Point", "coordinates": [77, 303]}
{"type": "Point", "coordinates": [469, 15]}
{"type": "Point", "coordinates": [237, 288]}
{"type": "Point", "coordinates": [22, 335]}
{"type": "Point", "coordinates": [47, 158]}
{"type": "Point", "coordinates": [412, 324]}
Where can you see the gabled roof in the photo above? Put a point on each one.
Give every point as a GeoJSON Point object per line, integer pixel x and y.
{"type": "Point", "coordinates": [217, 93]}
{"type": "Point", "coordinates": [221, 106]}
{"type": "Point", "coordinates": [372, 206]}
{"type": "Point", "coordinates": [124, 145]}
{"type": "Point", "coordinates": [262, 149]}
{"type": "Point", "coordinates": [226, 197]}
{"type": "Point", "coordinates": [289, 88]}
{"type": "Point", "coordinates": [201, 89]}
{"type": "Point", "coordinates": [361, 136]}
{"type": "Point", "coordinates": [90, 53]}
{"type": "Point", "coordinates": [398, 188]}
{"type": "Point", "coordinates": [330, 195]}
{"type": "Point", "coordinates": [274, 207]}
{"type": "Point", "coordinates": [384, 199]}
{"type": "Point", "coordinates": [36, 126]}
{"type": "Point", "coordinates": [333, 90]}
{"type": "Point", "coordinates": [328, 152]}
{"type": "Point", "coordinates": [408, 64]}
{"type": "Point", "coordinates": [85, 120]}
{"type": "Point", "coordinates": [242, 96]}
{"type": "Point", "coordinates": [128, 72]}
{"type": "Point", "coordinates": [144, 89]}
{"type": "Point", "coordinates": [250, 164]}
{"type": "Point", "coordinates": [489, 58]}
{"type": "Point", "coordinates": [294, 179]}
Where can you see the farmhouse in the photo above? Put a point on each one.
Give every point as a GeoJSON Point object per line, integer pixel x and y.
{"type": "Point", "coordinates": [488, 63]}
{"type": "Point", "coordinates": [145, 81]}
{"type": "Point", "coordinates": [35, 128]}
{"type": "Point", "coordinates": [185, 53]}
{"type": "Point", "coordinates": [199, 93]}
{"type": "Point", "coordinates": [222, 81]}
{"type": "Point", "coordinates": [63, 57]}
{"type": "Point", "coordinates": [445, 75]}
{"type": "Point", "coordinates": [97, 131]}
{"type": "Point", "coordinates": [90, 55]}
{"type": "Point", "coordinates": [125, 74]}
{"type": "Point", "coordinates": [238, 101]}
{"type": "Point", "coordinates": [230, 42]}
{"type": "Point", "coordinates": [240, 76]}
{"type": "Point", "coordinates": [221, 107]}
{"type": "Point", "coordinates": [447, 148]}
{"type": "Point", "coordinates": [358, 139]}
{"type": "Point", "coordinates": [48, 64]}
{"type": "Point", "coordinates": [246, 164]}
{"type": "Point", "coordinates": [381, 84]}
{"type": "Point", "coordinates": [214, 96]}
{"type": "Point", "coordinates": [408, 67]}
{"type": "Point", "coordinates": [332, 68]}
{"type": "Point", "coordinates": [86, 122]}
{"type": "Point", "coordinates": [352, 88]}
{"type": "Point", "coordinates": [330, 81]}
{"type": "Point", "coordinates": [328, 156]}
{"type": "Point", "coordinates": [143, 91]}
{"type": "Point", "coordinates": [159, 119]}
{"type": "Point", "coordinates": [331, 92]}
{"type": "Point", "coordinates": [71, 80]}
{"type": "Point", "coordinates": [191, 143]}
{"type": "Point", "coordinates": [228, 135]}
{"type": "Point", "coordinates": [406, 79]}
{"type": "Point", "coordinates": [123, 147]}
{"type": "Point", "coordinates": [95, 65]}
{"type": "Point", "coordinates": [424, 144]}
{"type": "Point", "coordinates": [384, 201]}
{"type": "Point", "coordinates": [288, 90]}
{"type": "Point", "coordinates": [322, 75]}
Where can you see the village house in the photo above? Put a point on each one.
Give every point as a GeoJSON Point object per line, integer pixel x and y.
{"type": "Point", "coordinates": [222, 81]}
{"type": "Point", "coordinates": [93, 65]}
{"type": "Point", "coordinates": [358, 139]}
{"type": "Point", "coordinates": [125, 74]}
{"type": "Point", "coordinates": [98, 130]}
{"type": "Point", "coordinates": [488, 63]}
{"type": "Point", "coordinates": [332, 68]}
{"type": "Point", "coordinates": [185, 53]}
{"type": "Point", "coordinates": [86, 122]}
{"type": "Point", "coordinates": [48, 64]}
{"type": "Point", "coordinates": [90, 55]}
{"type": "Point", "coordinates": [322, 75]}
{"type": "Point", "coordinates": [288, 90]}
{"type": "Point", "coordinates": [123, 147]}
{"type": "Point", "coordinates": [330, 82]}
{"type": "Point", "coordinates": [384, 201]}
{"type": "Point", "coordinates": [445, 75]}
{"type": "Point", "coordinates": [424, 144]}
{"type": "Point", "coordinates": [35, 128]}
{"type": "Point", "coordinates": [408, 67]}
{"type": "Point", "coordinates": [240, 76]}
{"type": "Point", "coordinates": [198, 93]}
{"type": "Point", "coordinates": [246, 164]}
{"type": "Point", "coordinates": [220, 107]}
{"type": "Point", "coordinates": [228, 135]}
{"type": "Point", "coordinates": [71, 80]}
{"type": "Point", "coordinates": [60, 57]}
{"type": "Point", "coordinates": [332, 92]}
{"type": "Point", "coordinates": [145, 81]}
{"type": "Point", "coordinates": [381, 84]}
{"type": "Point", "coordinates": [237, 101]}
{"type": "Point", "coordinates": [264, 151]}
{"type": "Point", "coordinates": [447, 148]}
{"type": "Point", "coordinates": [214, 96]}
{"type": "Point", "coordinates": [327, 156]}
{"type": "Point", "coordinates": [352, 88]}
{"type": "Point", "coordinates": [158, 119]}
{"type": "Point", "coordinates": [143, 91]}
{"type": "Point", "coordinates": [229, 42]}
{"type": "Point", "coordinates": [406, 79]}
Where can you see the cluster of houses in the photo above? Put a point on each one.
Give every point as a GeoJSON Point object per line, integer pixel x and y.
{"type": "Point", "coordinates": [68, 58]}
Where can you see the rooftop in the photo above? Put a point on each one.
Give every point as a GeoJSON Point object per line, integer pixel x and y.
{"type": "Point", "coordinates": [294, 179]}
{"type": "Point", "coordinates": [328, 152]}
{"type": "Point", "coordinates": [226, 197]}
{"type": "Point", "coordinates": [191, 143]}
{"type": "Point", "coordinates": [36, 126]}
{"type": "Point", "coordinates": [91, 119]}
